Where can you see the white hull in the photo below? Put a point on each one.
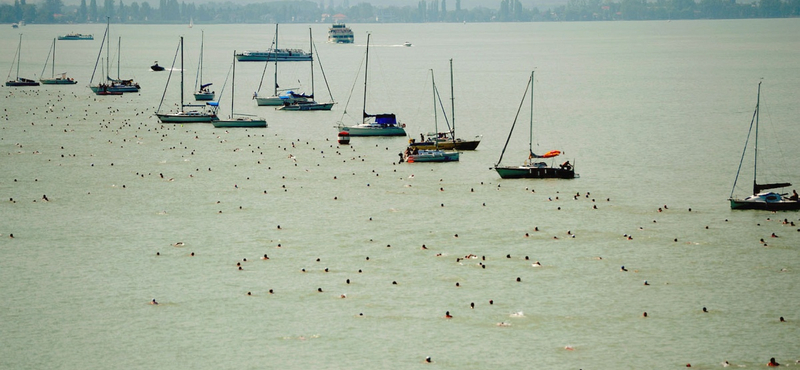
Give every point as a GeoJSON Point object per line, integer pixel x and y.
{"type": "Point", "coordinates": [373, 130]}
{"type": "Point", "coordinates": [186, 117]}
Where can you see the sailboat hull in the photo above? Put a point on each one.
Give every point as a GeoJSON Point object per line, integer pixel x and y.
{"type": "Point", "coordinates": [203, 96]}
{"type": "Point", "coordinates": [766, 202]}
{"type": "Point", "coordinates": [240, 122]}
{"type": "Point", "coordinates": [186, 117]}
{"type": "Point", "coordinates": [57, 81]}
{"type": "Point", "coordinates": [374, 130]}
{"type": "Point", "coordinates": [277, 101]}
{"type": "Point", "coordinates": [305, 106]}
{"type": "Point", "coordinates": [22, 82]}
{"type": "Point", "coordinates": [533, 172]}
{"type": "Point", "coordinates": [447, 145]}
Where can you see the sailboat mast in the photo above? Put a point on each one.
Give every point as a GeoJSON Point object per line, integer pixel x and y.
{"type": "Point", "coordinates": [53, 72]}
{"type": "Point", "coordinates": [202, 40]}
{"type": "Point", "coordinates": [311, 51]}
{"type": "Point", "coordinates": [452, 103]}
{"type": "Point", "coordinates": [435, 115]}
{"type": "Point", "coordinates": [108, 48]}
{"type": "Point", "coordinates": [755, 163]}
{"type": "Point", "coordinates": [119, 54]}
{"type": "Point", "coordinates": [366, 69]}
{"type": "Point", "coordinates": [275, 52]}
{"type": "Point", "coordinates": [530, 139]}
{"type": "Point", "coordinates": [233, 82]}
{"type": "Point", "coordinates": [181, 73]}
{"type": "Point", "coordinates": [19, 52]}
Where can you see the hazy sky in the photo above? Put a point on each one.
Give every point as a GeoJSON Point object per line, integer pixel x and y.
{"type": "Point", "coordinates": [466, 4]}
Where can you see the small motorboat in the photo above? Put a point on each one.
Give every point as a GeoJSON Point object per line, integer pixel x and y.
{"type": "Point", "coordinates": [156, 67]}
{"type": "Point", "coordinates": [407, 44]}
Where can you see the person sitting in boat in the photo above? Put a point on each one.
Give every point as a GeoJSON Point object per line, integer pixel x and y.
{"type": "Point", "coordinates": [566, 166]}
{"type": "Point", "coordinates": [794, 196]}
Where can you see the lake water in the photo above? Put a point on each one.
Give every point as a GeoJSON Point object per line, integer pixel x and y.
{"type": "Point", "coordinates": [651, 113]}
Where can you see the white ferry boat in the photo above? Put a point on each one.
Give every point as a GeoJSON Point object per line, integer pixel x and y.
{"type": "Point", "coordinates": [76, 36]}
{"type": "Point", "coordinates": [339, 33]}
{"type": "Point", "coordinates": [273, 55]}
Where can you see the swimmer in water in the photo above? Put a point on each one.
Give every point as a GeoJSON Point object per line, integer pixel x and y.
{"type": "Point", "coordinates": [772, 363]}
{"type": "Point", "coordinates": [153, 301]}
{"type": "Point", "coordinates": [447, 315]}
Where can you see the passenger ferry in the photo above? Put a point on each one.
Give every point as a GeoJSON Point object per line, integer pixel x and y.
{"type": "Point", "coordinates": [273, 55]}
{"type": "Point", "coordinates": [339, 33]}
{"type": "Point", "coordinates": [76, 36]}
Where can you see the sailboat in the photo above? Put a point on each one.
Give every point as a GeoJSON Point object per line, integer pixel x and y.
{"type": "Point", "coordinates": [533, 167]}
{"type": "Point", "coordinates": [183, 116]}
{"type": "Point", "coordinates": [383, 124]}
{"type": "Point", "coordinates": [310, 103]}
{"type": "Point", "coordinates": [241, 120]}
{"type": "Point", "coordinates": [415, 154]}
{"type": "Point", "coordinates": [762, 200]}
{"type": "Point", "coordinates": [19, 81]}
{"type": "Point", "coordinates": [53, 80]}
{"type": "Point", "coordinates": [111, 85]}
{"type": "Point", "coordinates": [288, 97]}
{"type": "Point", "coordinates": [447, 140]}
{"type": "Point", "coordinates": [202, 93]}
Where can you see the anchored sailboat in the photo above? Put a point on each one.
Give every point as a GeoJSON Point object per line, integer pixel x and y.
{"type": "Point", "coordinates": [447, 140]}
{"type": "Point", "coordinates": [53, 80]}
{"type": "Point", "coordinates": [202, 93]}
{"type": "Point", "coordinates": [111, 85]}
{"type": "Point", "coordinates": [534, 167]}
{"type": "Point", "coordinates": [183, 115]}
{"type": "Point", "coordinates": [19, 81]}
{"type": "Point", "coordinates": [384, 124]}
{"type": "Point", "coordinates": [288, 97]}
{"type": "Point", "coordinates": [242, 120]}
{"type": "Point", "coordinates": [763, 200]}
{"type": "Point", "coordinates": [309, 103]}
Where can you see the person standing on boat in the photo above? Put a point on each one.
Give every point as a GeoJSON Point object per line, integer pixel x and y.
{"type": "Point", "coordinates": [794, 195]}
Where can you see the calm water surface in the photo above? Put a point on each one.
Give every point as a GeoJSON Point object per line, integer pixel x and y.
{"type": "Point", "coordinates": [651, 113]}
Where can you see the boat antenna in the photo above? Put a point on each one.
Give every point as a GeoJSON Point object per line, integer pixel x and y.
{"type": "Point", "coordinates": [530, 83]}
{"type": "Point", "coordinates": [753, 121]}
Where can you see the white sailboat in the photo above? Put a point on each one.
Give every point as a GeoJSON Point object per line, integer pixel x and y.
{"type": "Point", "coordinates": [310, 103]}
{"type": "Point", "coordinates": [53, 80]}
{"type": "Point", "coordinates": [241, 120]}
{"type": "Point", "coordinates": [276, 100]}
{"type": "Point", "coordinates": [202, 92]}
{"type": "Point", "coordinates": [111, 85]}
{"type": "Point", "coordinates": [183, 115]}
{"type": "Point", "coordinates": [383, 124]}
